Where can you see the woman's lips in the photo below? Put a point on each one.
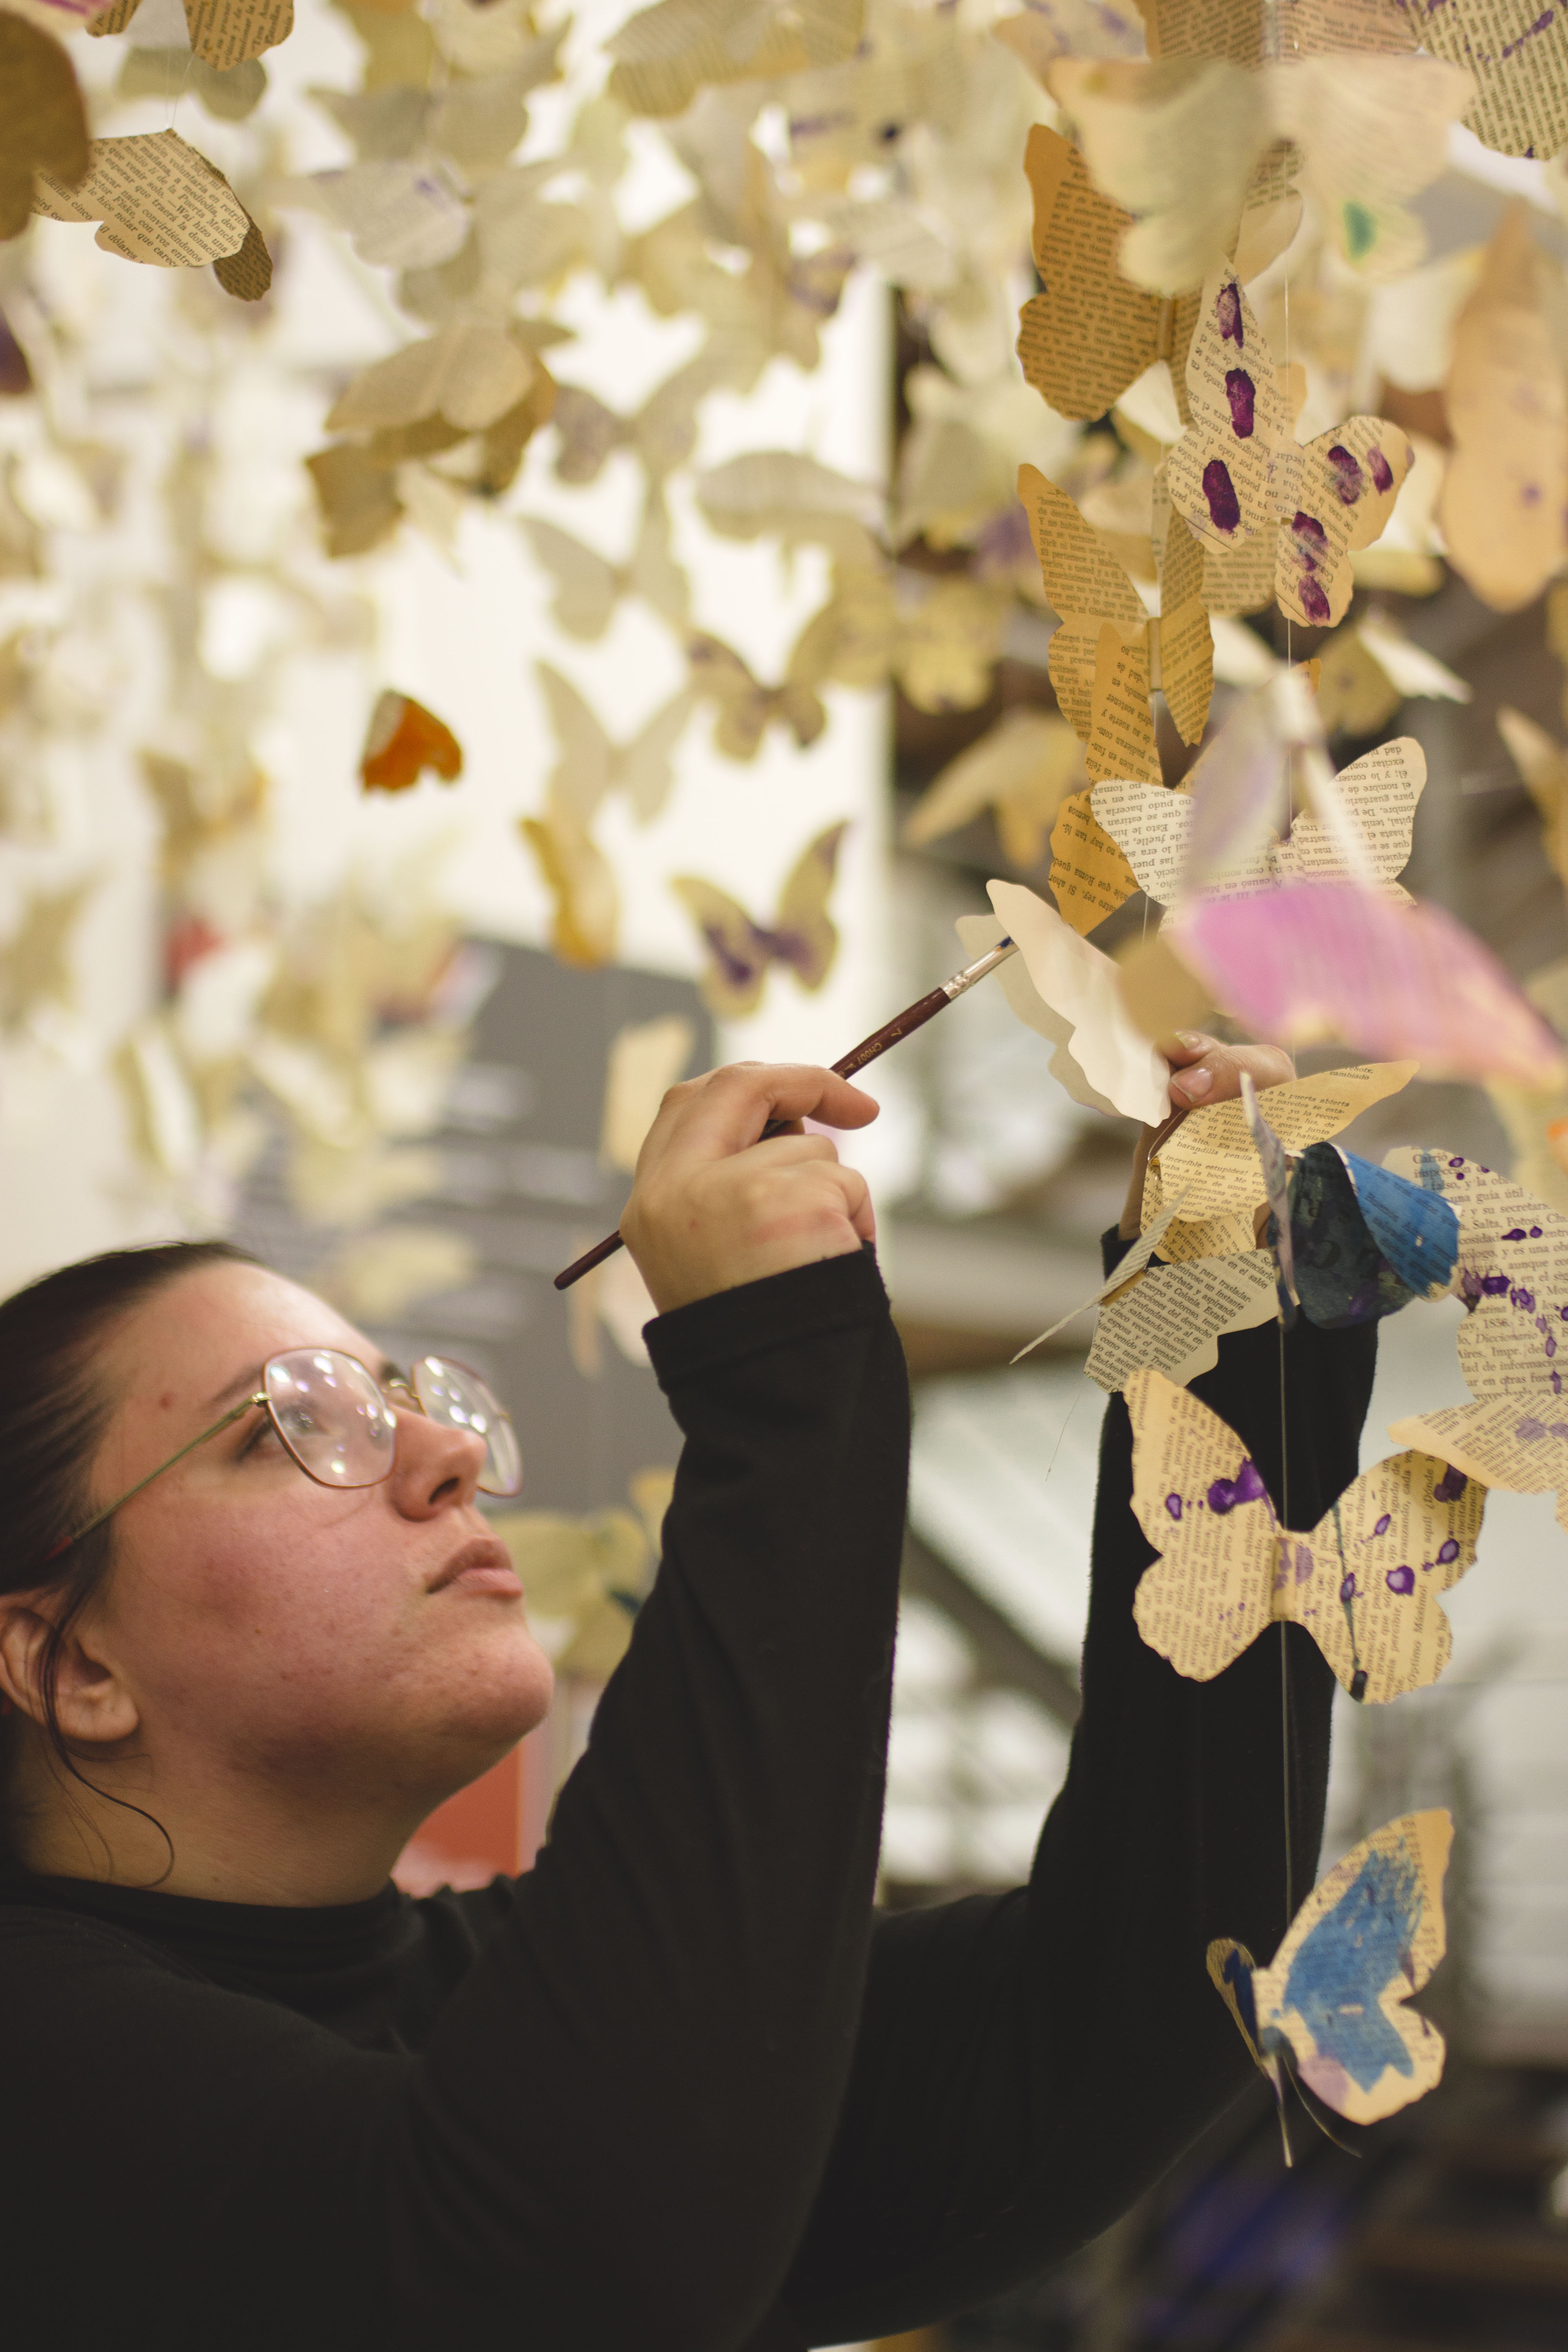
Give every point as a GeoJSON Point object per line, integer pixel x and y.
{"type": "Point", "coordinates": [484, 1564]}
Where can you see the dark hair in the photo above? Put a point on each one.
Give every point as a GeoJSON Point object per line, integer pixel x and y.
{"type": "Point", "coordinates": [54, 1408]}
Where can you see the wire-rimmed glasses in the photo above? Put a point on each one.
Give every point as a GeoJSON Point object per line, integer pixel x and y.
{"type": "Point", "coordinates": [333, 1417]}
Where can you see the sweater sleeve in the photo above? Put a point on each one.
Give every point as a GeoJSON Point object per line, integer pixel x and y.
{"type": "Point", "coordinates": [1028, 2064]}
{"type": "Point", "coordinates": [615, 2133]}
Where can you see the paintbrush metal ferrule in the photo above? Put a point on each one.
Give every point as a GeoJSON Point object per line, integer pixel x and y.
{"type": "Point", "coordinates": [961, 982]}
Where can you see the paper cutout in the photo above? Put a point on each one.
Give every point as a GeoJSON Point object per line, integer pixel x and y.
{"type": "Point", "coordinates": [222, 33]}
{"type": "Point", "coordinates": [1090, 333]}
{"type": "Point", "coordinates": [580, 882]}
{"type": "Point", "coordinates": [588, 587]}
{"type": "Point", "coordinates": [1136, 1258]}
{"type": "Point", "coordinates": [1212, 1160]}
{"type": "Point", "coordinates": [1177, 141]}
{"type": "Point", "coordinates": [1235, 473]}
{"type": "Point", "coordinates": [745, 708]}
{"type": "Point", "coordinates": [1543, 765]}
{"type": "Point", "coordinates": [400, 213]}
{"type": "Point", "coordinates": [1335, 1997]}
{"type": "Point", "coordinates": [792, 497]}
{"type": "Point", "coordinates": [404, 742]}
{"type": "Point", "coordinates": [158, 199]}
{"type": "Point", "coordinates": [1369, 668]}
{"type": "Point", "coordinates": [43, 126]}
{"type": "Point", "coordinates": [1089, 875]}
{"type": "Point", "coordinates": [1312, 961]}
{"type": "Point", "coordinates": [800, 938]}
{"type": "Point", "coordinates": [1154, 828]}
{"type": "Point", "coordinates": [1501, 504]}
{"type": "Point", "coordinates": [977, 933]}
{"type": "Point", "coordinates": [1023, 768]}
{"type": "Point", "coordinates": [645, 1059]}
{"type": "Point", "coordinates": [1517, 57]}
{"type": "Point", "coordinates": [1364, 1582]}
{"type": "Point", "coordinates": [1173, 1318]}
{"type": "Point", "coordinates": [1077, 984]}
{"type": "Point", "coordinates": [470, 373]}
{"type": "Point", "coordinates": [1099, 656]}
{"type": "Point", "coordinates": [1159, 991]}
{"type": "Point", "coordinates": [590, 1573]}
{"type": "Point", "coordinates": [664, 54]}
{"type": "Point", "coordinates": [592, 763]}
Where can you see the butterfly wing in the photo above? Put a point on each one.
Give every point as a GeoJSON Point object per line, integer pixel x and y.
{"type": "Point", "coordinates": [718, 676]}
{"type": "Point", "coordinates": [739, 952]}
{"type": "Point", "coordinates": [1175, 144]}
{"type": "Point", "coordinates": [1220, 470]}
{"type": "Point", "coordinates": [585, 585]}
{"type": "Point", "coordinates": [587, 432]}
{"type": "Point", "coordinates": [1518, 1443]}
{"type": "Point", "coordinates": [1379, 792]}
{"type": "Point", "coordinates": [582, 883]}
{"type": "Point", "coordinates": [654, 573]}
{"type": "Point", "coordinates": [1076, 980]}
{"type": "Point", "coordinates": [1202, 1503]}
{"type": "Point", "coordinates": [1149, 826]}
{"type": "Point", "coordinates": [645, 768]}
{"type": "Point", "coordinates": [1417, 1230]}
{"type": "Point", "coordinates": [582, 773]}
{"type": "Point", "coordinates": [803, 936]}
{"type": "Point", "coordinates": [1075, 235]}
{"type": "Point", "coordinates": [1365, 1581]}
{"type": "Point", "coordinates": [1339, 492]}
{"type": "Point", "coordinates": [1336, 1993]}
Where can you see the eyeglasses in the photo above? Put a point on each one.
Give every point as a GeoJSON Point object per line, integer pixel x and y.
{"type": "Point", "coordinates": [332, 1415]}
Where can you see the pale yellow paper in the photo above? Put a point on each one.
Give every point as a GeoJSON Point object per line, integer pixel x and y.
{"type": "Point", "coordinates": [1420, 1838]}
{"type": "Point", "coordinates": [1184, 643]}
{"type": "Point", "coordinates": [1379, 793]}
{"type": "Point", "coordinates": [470, 373]}
{"type": "Point", "coordinates": [592, 763]}
{"type": "Point", "coordinates": [1517, 53]}
{"type": "Point", "coordinates": [1501, 506]}
{"type": "Point", "coordinates": [1225, 1574]}
{"type": "Point", "coordinates": [1023, 768]}
{"type": "Point", "coordinates": [1065, 989]}
{"type": "Point", "coordinates": [1313, 580]}
{"type": "Point", "coordinates": [1137, 1257]}
{"type": "Point", "coordinates": [1373, 133]}
{"type": "Point", "coordinates": [158, 199]}
{"type": "Point", "coordinates": [1230, 352]}
{"type": "Point", "coordinates": [224, 33]}
{"type": "Point", "coordinates": [1513, 1343]}
{"type": "Point", "coordinates": [1081, 576]}
{"type": "Point", "coordinates": [1089, 877]}
{"type": "Point", "coordinates": [1518, 1443]}
{"type": "Point", "coordinates": [1175, 142]}
{"type": "Point", "coordinates": [1172, 1317]}
{"type": "Point", "coordinates": [1090, 333]}
{"type": "Point", "coordinates": [1212, 1160]}
{"type": "Point", "coordinates": [645, 1059]}
{"type": "Point", "coordinates": [1121, 726]}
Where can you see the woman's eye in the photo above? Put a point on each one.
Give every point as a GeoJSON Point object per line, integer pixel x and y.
{"type": "Point", "coordinates": [259, 1436]}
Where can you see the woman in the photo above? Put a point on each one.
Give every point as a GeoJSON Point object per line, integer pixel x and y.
{"type": "Point", "coordinates": [679, 2086]}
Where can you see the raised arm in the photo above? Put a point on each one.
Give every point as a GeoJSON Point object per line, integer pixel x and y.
{"type": "Point", "coordinates": [1029, 2062]}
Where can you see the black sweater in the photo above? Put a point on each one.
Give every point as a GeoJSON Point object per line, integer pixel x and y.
{"type": "Point", "coordinates": [679, 2088]}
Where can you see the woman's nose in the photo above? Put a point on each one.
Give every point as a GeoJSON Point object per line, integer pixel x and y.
{"type": "Point", "coordinates": [435, 1467]}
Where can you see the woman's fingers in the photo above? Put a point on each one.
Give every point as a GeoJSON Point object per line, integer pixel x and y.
{"type": "Point", "coordinates": [1205, 1071]}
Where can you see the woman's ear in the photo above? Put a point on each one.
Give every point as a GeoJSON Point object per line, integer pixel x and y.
{"type": "Point", "coordinates": [92, 1705]}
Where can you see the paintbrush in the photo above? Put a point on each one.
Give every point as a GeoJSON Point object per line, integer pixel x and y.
{"type": "Point", "coordinates": [903, 1025]}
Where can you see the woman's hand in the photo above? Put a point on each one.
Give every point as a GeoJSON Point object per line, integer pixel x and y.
{"type": "Point", "coordinates": [1203, 1071]}
{"type": "Point", "coordinates": [712, 1206]}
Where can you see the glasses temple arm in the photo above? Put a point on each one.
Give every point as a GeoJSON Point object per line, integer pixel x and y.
{"type": "Point", "coordinates": [234, 1413]}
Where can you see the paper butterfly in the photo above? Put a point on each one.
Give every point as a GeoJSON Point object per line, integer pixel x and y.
{"type": "Point", "coordinates": [1519, 56]}
{"type": "Point", "coordinates": [662, 434]}
{"type": "Point", "coordinates": [402, 742]}
{"type": "Point", "coordinates": [800, 938]}
{"type": "Point", "coordinates": [1237, 473]}
{"type": "Point", "coordinates": [1364, 1582]}
{"type": "Point", "coordinates": [1065, 989]}
{"type": "Point", "coordinates": [581, 881]}
{"type": "Point", "coordinates": [1155, 829]}
{"type": "Point", "coordinates": [745, 707]}
{"type": "Point", "coordinates": [588, 587]}
{"type": "Point", "coordinates": [1086, 337]}
{"type": "Point", "coordinates": [1177, 142]}
{"type": "Point", "coordinates": [1334, 1999]}
{"type": "Point", "coordinates": [1513, 1344]}
{"type": "Point", "coordinates": [592, 763]}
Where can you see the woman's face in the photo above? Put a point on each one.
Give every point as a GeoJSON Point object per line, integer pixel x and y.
{"type": "Point", "coordinates": [373, 1641]}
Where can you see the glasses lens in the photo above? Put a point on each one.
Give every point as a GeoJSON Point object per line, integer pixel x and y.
{"type": "Point", "coordinates": [450, 1392]}
{"type": "Point", "coordinates": [331, 1416]}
